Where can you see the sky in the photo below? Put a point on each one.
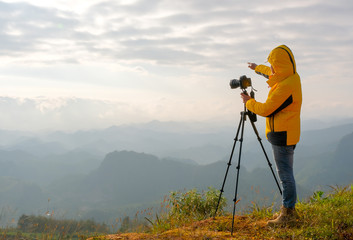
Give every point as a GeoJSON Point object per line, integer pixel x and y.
{"type": "Point", "coordinates": [71, 65]}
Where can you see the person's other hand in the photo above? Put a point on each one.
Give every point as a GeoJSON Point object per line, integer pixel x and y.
{"type": "Point", "coordinates": [252, 65]}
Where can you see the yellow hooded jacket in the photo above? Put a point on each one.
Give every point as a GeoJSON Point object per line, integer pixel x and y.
{"type": "Point", "coordinates": [283, 104]}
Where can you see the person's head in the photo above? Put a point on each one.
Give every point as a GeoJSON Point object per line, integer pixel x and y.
{"type": "Point", "coordinates": [282, 60]}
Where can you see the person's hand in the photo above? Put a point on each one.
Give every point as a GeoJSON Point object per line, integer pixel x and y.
{"type": "Point", "coordinates": [245, 97]}
{"type": "Point", "coordinates": [252, 65]}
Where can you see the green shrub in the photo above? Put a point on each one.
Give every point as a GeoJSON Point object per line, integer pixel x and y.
{"type": "Point", "coordinates": [193, 205]}
{"type": "Point", "coordinates": [185, 207]}
{"type": "Point", "coordinates": [328, 217]}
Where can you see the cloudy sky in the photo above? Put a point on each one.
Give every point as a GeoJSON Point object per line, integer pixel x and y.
{"type": "Point", "coordinates": [83, 64]}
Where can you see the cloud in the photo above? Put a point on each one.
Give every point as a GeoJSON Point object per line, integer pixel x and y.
{"type": "Point", "coordinates": [141, 51]}
{"type": "Point", "coordinates": [41, 113]}
{"type": "Point", "coordinates": [26, 26]}
{"type": "Point", "coordinates": [68, 114]}
{"type": "Point", "coordinates": [166, 32]}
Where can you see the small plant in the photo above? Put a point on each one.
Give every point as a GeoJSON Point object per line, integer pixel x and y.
{"type": "Point", "coordinates": [42, 227]}
{"type": "Point", "coordinates": [186, 207]}
{"type": "Point", "coordinates": [329, 217]}
{"type": "Point", "coordinates": [260, 212]}
{"type": "Point", "coordinates": [194, 205]}
{"type": "Point", "coordinates": [317, 197]}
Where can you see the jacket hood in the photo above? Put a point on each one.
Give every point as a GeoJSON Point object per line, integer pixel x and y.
{"type": "Point", "coordinates": [282, 60]}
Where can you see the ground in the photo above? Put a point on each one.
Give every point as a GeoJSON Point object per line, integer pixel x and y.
{"type": "Point", "coordinates": [219, 228]}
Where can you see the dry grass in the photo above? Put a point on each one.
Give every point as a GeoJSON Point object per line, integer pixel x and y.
{"type": "Point", "coordinates": [218, 228]}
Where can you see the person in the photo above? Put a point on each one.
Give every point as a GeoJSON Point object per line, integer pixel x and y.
{"type": "Point", "coordinates": [282, 112]}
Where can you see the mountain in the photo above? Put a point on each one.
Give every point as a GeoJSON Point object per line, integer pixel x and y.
{"type": "Point", "coordinates": [37, 147]}
{"type": "Point", "coordinates": [328, 167]}
{"type": "Point", "coordinates": [110, 172]}
{"type": "Point", "coordinates": [325, 139]}
{"type": "Point", "coordinates": [126, 179]}
{"type": "Point", "coordinates": [129, 180]}
{"type": "Point", "coordinates": [200, 142]}
{"type": "Point", "coordinates": [42, 170]}
{"type": "Point", "coordinates": [18, 196]}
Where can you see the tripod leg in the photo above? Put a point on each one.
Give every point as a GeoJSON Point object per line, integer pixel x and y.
{"type": "Point", "coordinates": [229, 164]}
{"type": "Point", "coordinates": [238, 168]}
{"type": "Point", "coordinates": [263, 149]}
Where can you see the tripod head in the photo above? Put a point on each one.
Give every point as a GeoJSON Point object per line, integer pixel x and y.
{"type": "Point", "coordinates": [252, 116]}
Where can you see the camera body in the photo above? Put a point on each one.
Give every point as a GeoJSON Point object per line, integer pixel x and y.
{"type": "Point", "coordinates": [243, 82]}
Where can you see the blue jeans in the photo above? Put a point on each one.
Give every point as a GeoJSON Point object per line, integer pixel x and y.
{"type": "Point", "coordinates": [284, 161]}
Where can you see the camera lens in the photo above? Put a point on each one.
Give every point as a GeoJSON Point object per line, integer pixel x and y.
{"type": "Point", "coordinates": [234, 83]}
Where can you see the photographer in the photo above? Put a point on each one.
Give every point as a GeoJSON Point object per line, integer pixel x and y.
{"type": "Point", "coordinates": [282, 112]}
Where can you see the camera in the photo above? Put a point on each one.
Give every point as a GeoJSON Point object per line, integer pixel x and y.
{"type": "Point", "coordinates": [243, 82]}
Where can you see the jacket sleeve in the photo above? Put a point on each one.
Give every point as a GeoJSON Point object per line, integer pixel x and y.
{"type": "Point", "coordinates": [278, 100]}
{"type": "Point", "coordinates": [263, 70]}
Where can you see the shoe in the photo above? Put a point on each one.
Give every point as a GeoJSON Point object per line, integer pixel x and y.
{"type": "Point", "coordinates": [286, 216]}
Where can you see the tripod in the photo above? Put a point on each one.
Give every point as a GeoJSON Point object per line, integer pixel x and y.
{"type": "Point", "coordinates": [253, 119]}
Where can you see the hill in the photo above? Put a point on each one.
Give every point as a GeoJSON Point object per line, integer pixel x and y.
{"type": "Point", "coordinates": [324, 216]}
{"type": "Point", "coordinates": [127, 180]}
{"type": "Point", "coordinates": [331, 166]}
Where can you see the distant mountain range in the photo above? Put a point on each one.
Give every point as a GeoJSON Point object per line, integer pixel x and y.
{"type": "Point", "coordinates": [103, 174]}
